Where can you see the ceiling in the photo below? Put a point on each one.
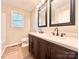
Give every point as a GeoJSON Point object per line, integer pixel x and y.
{"type": "Point", "coordinates": [24, 4]}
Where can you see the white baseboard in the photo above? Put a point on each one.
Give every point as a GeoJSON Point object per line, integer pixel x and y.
{"type": "Point", "coordinates": [3, 50]}
{"type": "Point", "coordinates": [13, 44]}
{"type": "Point", "coordinates": [8, 46]}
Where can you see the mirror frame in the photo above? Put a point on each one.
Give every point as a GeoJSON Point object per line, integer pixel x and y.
{"type": "Point", "coordinates": [72, 15]}
{"type": "Point", "coordinates": [45, 15]}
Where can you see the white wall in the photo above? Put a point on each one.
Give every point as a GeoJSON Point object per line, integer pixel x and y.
{"type": "Point", "coordinates": [3, 32]}
{"type": "Point", "coordinates": [34, 17]}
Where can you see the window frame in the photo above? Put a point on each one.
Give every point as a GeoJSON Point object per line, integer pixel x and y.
{"type": "Point", "coordinates": [12, 20]}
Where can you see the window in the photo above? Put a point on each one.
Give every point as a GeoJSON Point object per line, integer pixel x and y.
{"type": "Point", "coordinates": [17, 19]}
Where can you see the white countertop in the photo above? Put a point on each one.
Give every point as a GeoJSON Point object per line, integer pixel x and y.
{"type": "Point", "coordinates": [68, 42]}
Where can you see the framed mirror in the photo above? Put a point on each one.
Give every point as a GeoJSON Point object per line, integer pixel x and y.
{"type": "Point", "coordinates": [62, 12]}
{"type": "Point", "coordinates": [42, 15]}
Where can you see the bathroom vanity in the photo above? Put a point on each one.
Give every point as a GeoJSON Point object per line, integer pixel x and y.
{"type": "Point", "coordinates": [51, 46]}
{"type": "Point", "coordinates": [44, 46]}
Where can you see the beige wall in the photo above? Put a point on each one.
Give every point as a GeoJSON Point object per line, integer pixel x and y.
{"type": "Point", "coordinates": [14, 35]}
{"type": "Point", "coordinates": [3, 33]}
{"type": "Point", "coordinates": [67, 29]}
{"type": "Point", "coordinates": [34, 21]}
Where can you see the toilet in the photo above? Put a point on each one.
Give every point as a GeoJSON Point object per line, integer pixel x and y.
{"type": "Point", "coordinates": [24, 42]}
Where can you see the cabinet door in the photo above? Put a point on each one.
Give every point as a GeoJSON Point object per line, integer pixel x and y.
{"type": "Point", "coordinates": [64, 53]}
{"type": "Point", "coordinates": [61, 53]}
{"type": "Point", "coordinates": [42, 50]}
{"type": "Point", "coordinates": [72, 55]}
{"type": "Point", "coordinates": [30, 44]}
{"type": "Point", "coordinates": [52, 52]}
{"type": "Point", "coordinates": [35, 47]}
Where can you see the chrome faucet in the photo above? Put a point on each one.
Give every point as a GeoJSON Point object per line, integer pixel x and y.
{"type": "Point", "coordinates": [56, 29]}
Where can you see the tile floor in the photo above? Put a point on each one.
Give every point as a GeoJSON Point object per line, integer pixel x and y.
{"type": "Point", "coordinates": [17, 52]}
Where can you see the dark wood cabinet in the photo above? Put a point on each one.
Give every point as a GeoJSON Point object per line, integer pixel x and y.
{"type": "Point", "coordinates": [31, 44]}
{"type": "Point", "coordinates": [42, 49]}
{"type": "Point", "coordinates": [52, 51]}
{"type": "Point", "coordinates": [61, 53]}
{"type": "Point", "coordinates": [35, 47]}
